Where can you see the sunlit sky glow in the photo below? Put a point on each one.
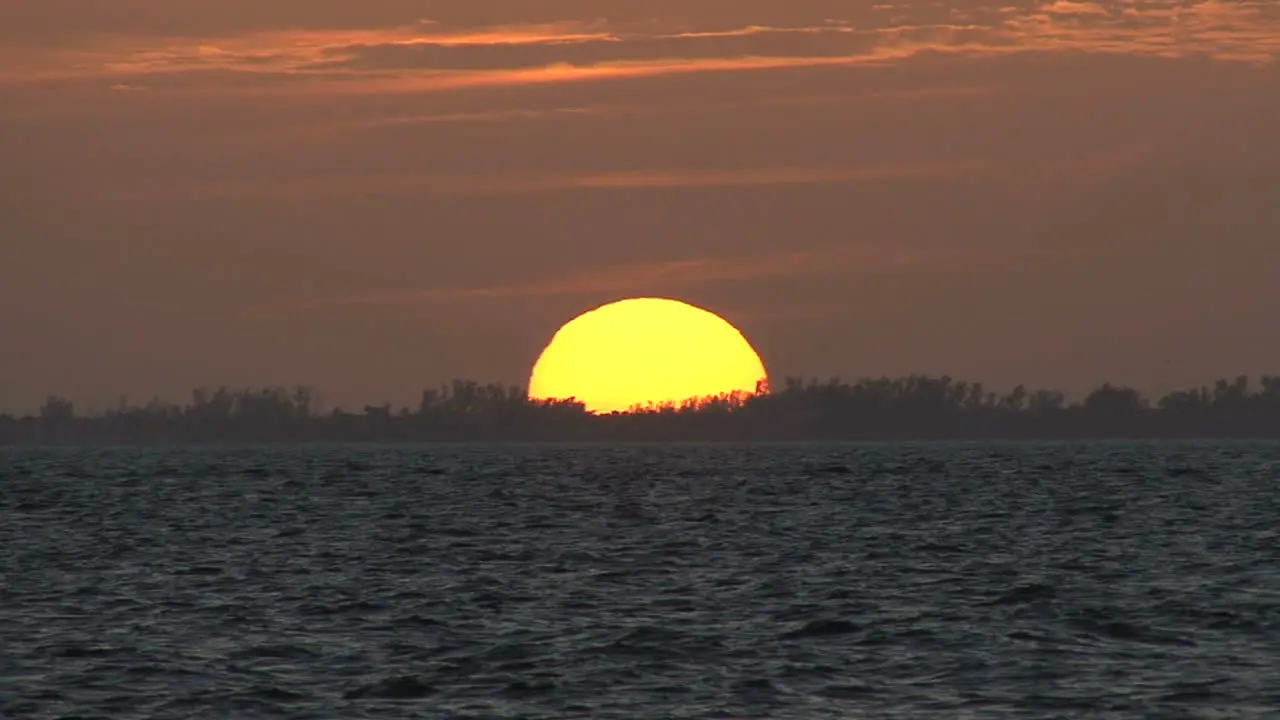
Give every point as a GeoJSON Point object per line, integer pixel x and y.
{"type": "Point", "coordinates": [372, 197]}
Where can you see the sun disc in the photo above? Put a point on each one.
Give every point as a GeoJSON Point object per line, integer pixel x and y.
{"type": "Point", "coordinates": [645, 350]}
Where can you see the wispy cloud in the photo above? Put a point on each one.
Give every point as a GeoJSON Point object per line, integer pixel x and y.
{"type": "Point", "coordinates": [430, 58]}
{"type": "Point", "coordinates": [1068, 7]}
{"type": "Point", "coordinates": [640, 278]}
{"type": "Point", "coordinates": [326, 130]}
{"type": "Point", "coordinates": [748, 177]}
{"type": "Point", "coordinates": [356, 184]}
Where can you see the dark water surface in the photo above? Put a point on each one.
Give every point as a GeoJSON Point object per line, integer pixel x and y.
{"type": "Point", "coordinates": [879, 581]}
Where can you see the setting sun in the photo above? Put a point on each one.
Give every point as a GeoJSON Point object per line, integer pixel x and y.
{"type": "Point", "coordinates": [645, 350]}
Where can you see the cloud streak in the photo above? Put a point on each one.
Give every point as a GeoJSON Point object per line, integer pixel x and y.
{"type": "Point", "coordinates": [656, 277]}
{"type": "Point", "coordinates": [428, 58]}
{"type": "Point", "coordinates": [356, 184]}
{"type": "Point", "coordinates": [325, 131]}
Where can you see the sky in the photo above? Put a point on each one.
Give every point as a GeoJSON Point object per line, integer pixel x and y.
{"type": "Point", "coordinates": [374, 197]}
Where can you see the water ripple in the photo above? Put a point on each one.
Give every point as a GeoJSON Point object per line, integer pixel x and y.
{"type": "Point", "coordinates": [684, 581]}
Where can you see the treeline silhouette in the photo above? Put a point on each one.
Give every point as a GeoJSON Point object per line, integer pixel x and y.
{"type": "Point", "coordinates": [910, 408]}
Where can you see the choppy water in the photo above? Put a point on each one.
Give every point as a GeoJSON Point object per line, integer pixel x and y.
{"type": "Point", "coordinates": [912, 581]}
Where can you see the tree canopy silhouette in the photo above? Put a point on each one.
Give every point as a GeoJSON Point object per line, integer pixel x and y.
{"type": "Point", "coordinates": [914, 407]}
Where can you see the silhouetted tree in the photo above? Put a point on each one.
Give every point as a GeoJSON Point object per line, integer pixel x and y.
{"type": "Point", "coordinates": [916, 406]}
{"type": "Point", "coordinates": [1015, 401]}
{"type": "Point", "coordinates": [57, 410]}
{"type": "Point", "coordinates": [1043, 401]}
{"type": "Point", "coordinates": [1112, 401]}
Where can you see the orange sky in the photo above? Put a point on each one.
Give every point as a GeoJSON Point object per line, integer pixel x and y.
{"type": "Point", "coordinates": [372, 197]}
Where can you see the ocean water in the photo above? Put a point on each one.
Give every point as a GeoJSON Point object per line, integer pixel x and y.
{"type": "Point", "coordinates": [646, 581]}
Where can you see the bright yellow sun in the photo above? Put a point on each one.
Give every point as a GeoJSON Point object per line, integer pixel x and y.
{"type": "Point", "coordinates": [643, 350]}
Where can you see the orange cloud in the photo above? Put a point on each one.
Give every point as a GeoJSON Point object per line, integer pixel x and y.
{"type": "Point", "coordinates": [431, 58]}
{"type": "Point", "coordinates": [312, 185]}
{"type": "Point", "coordinates": [1068, 7]}
{"type": "Point", "coordinates": [544, 34]}
{"type": "Point", "coordinates": [760, 30]}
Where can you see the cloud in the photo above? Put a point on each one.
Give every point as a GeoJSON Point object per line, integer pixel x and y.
{"type": "Point", "coordinates": [655, 277]}
{"type": "Point", "coordinates": [1068, 7]}
{"type": "Point", "coordinates": [739, 178]}
{"type": "Point", "coordinates": [354, 184]}
{"type": "Point", "coordinates": [425, 57]}
{"type": "Point", "coordinates": [325, 131]}
{"type": "Point", "coordinates": [493, 52]}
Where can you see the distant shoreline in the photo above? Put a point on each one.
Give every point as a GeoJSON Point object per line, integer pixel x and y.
{"type": "Point", "coordinates": [910, 409]}
{"type": "Point", "coordinates": [299, 444]}
{"type": "Point", "coordinates": [161, 439]}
